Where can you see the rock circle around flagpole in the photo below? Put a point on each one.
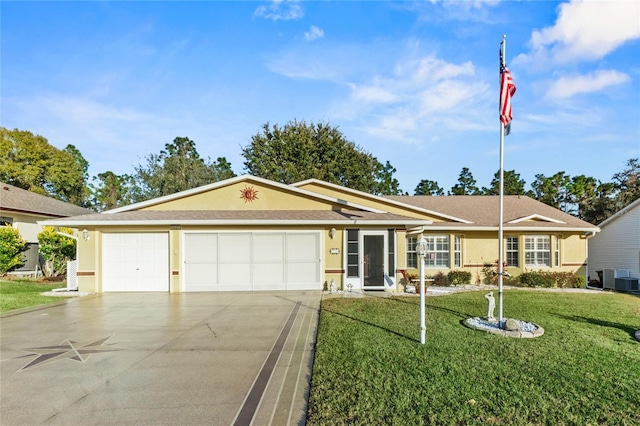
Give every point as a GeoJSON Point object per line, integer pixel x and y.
{"type": "Point", "coordinates": [512, 327]}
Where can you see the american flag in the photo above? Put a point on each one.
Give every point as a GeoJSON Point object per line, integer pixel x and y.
{"type": "Point", "coordinates": [507, 90]}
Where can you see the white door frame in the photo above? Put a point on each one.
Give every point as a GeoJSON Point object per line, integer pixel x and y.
{"type": "Point", "coordinates": [385, 252]}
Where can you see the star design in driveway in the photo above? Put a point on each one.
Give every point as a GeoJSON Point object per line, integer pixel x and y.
{"type": "Point", "coordinates": [69, 349]}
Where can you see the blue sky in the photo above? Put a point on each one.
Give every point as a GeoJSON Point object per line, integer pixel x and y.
{"type": "Point", "coordinates": [414, 83]}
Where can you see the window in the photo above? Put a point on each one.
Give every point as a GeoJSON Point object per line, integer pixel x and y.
{"type": "Point", "coordinates": [6, 221]}
{"type": "Point", "coordinates": [513, 252]}
{"type": "Point", "coordinates": [556, 254]}
{"type": "Point", "coordinates": [353, 259]}
{"type": "Point", "coordinates": [537, 250]}
{"type": "Point", "coordinates": [457, 251]}
{"type": "Point", "coordinates": [437, 251]}
{"type": "Point", "coordinates": [412, 256]}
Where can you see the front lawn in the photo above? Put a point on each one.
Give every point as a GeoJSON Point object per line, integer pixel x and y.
{"type": "Point", "coordinates": [370, 368]}
{"type": "Point", "coordinates": [24, 294]}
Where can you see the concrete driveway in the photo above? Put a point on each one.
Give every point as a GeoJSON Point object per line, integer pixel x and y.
{"type": "Point", "coordinates": [196, 358]}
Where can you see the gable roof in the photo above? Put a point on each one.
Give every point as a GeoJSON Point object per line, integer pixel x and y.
{"type": "Point", "coordinates": [624, 211]}
{"type": "Point", "coordinates": [520, 212]}
{"type": "Point", "coordinates": [20, 200]}
{"type": "Point", "coordinates": [246, 179]}
{"type": "Point", "coordinates": [384, 199]}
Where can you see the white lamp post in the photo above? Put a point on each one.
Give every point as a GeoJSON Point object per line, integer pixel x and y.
{"type": "Point", "coordinates": [421, 250]}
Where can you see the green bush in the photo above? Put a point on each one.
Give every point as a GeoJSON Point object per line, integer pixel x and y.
{"type": "Point", "coordinates": [459, 277]}
{"type": "Point", "coordinates": [11, 247]}
{"type": "Point", "coordinates": [488, 274]}
{"type": "Point", "coordinates": [56, 250]}
{"type": "Point", "coordinates": [551, 279]}
{"type": "Point", "coordinates": [440, 280]}
{"type": "Point", "coordinates": [579, 281]}
{"type": "Point", "coordinates": [536, 279]}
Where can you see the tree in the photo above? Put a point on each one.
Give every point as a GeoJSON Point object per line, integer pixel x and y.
{"type": "Point", "coordinates": [553, 190]}
{"type": "Point", "coordinates": [513, 185]}
{"type": "Point", "coordinates": [111, 191]}
{"type": "Point", "coordinates": [300, 151]}
{"type": "Point", "coordinates": [387, 184]}
{"type": "Point", "coordinates": [428, 187]}
{"type": "Point", "coordinates": [602, 205]}
{"type": "Point", "coordinates": [466, 184]}
{"type": "Point", "coordinates": [56, 249]}
{"type": "Point", "coordinates": [582, 192]}
{"type": "Point", "coordinates": [31, 163]}
{"type": "Point", "coordinates": [176, 168]}
{"type": "Point", "coordinates": [11, 247]}
{"type": "Point", "coordinates": [627, 183]}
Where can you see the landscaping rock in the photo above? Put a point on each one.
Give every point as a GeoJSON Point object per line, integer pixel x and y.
{"type": "Point", "coordinates": [511, 325]}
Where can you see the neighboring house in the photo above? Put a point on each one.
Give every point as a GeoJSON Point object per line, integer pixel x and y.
{"type": "Point", "coordinates": [22, 209]}
{"type": "Point", "coordinates": [618, 245]}
{"type": "Point", "coordinates": [248, 234]}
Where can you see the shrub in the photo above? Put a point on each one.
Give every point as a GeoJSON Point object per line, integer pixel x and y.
{"type": "Point", "coordinates": [579, 281]}
{"type": "Point", "coordinates": [440, 280]}
{"type": "Point", "coordinates": [536, 279]}
{"type": "Point", "coordinates": [488, 276]}
{"type": "Point", "coordinates": [56, 250]}
{"type": "Point", "coordinates": [551, 279]}
{"type": "Point", "coordinates": [11, 247]}
{"type": "Point", "coordinates": [459, 277]}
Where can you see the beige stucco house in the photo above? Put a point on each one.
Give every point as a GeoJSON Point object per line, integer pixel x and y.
{"type": "Point", "coordinates": [250, 234]}
{"type": "Point", "coordinates": [23, 209]}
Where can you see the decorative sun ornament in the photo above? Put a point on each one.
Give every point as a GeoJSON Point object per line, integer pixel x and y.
{"type": "Point", "coordinates": [249, 194]}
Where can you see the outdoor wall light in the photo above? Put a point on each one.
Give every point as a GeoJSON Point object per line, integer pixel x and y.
{"type": "Point", "coordinates": [85, 234]}
{"type": "Point", "coordinates": [332, 233]}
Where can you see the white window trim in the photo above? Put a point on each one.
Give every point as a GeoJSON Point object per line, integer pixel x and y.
{"type": "Point", "coordinates": [537, 250]}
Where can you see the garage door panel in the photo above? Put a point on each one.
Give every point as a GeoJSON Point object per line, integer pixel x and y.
{"type": "Point", "coordinates": [201, 262]}
{"type": "Point", "coordinates": [302, 273]}
{"type": "Point", "coordinates": [268, 248]}
{"type": "Point", "coordinates": [302, 247]}
{"type": "Point", "coordinates": [235, 248]}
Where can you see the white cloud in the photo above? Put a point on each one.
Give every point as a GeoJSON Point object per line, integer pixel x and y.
{"type": "Point", "coordinates": [86, 110]}
{"type": "Point", "coordinates": [567, 86]}
{"type": "Point", "coordinates": [314, 33]}
{"type": "Point", "coordinates": [418, 96]}
{"type": "Point", "coordinates": [280, 10]}
{"type": "Point", "coordinates": [585, 30]}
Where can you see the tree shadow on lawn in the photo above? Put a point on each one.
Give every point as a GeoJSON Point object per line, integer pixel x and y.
{"type": "Point", "coordinates": [402, 299]}
{"type": "Point", "coordinates": [631, 331]}
{"type": "Point", "coordinates": [398, 300]}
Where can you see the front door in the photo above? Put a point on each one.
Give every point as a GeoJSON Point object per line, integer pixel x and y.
{"type": "Point", "coordinates": [373, 260]}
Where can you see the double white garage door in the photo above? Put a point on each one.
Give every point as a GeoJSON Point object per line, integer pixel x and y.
{"type": "Point", "coordinates": [252, 261]}
{"type": "Point", "coordinates": [243, 261]}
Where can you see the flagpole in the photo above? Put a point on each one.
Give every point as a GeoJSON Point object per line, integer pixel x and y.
{"type": "Point", "coordinates": [501, 214]}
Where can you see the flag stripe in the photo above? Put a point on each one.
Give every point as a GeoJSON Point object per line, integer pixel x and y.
{"type": "Point", "coordinates": [507, 90]}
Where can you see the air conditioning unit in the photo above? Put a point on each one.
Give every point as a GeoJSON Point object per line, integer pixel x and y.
{"type": "Point", "coordinates": [626, 284]}
{"type": "Point", "coordinates": [609, 277]}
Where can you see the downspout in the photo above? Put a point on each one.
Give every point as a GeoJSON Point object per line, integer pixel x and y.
{"type": "Point", "coordinates": [588, 235]}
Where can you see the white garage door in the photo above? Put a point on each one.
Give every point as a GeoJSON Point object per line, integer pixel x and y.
{"type": "Point", "coordinates": [252, 261]}
{"type": "Point", "coordinates": [135, 262]}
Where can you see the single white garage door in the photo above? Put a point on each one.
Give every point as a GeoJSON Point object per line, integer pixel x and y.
{"type": "Point", "coordinates": [135, 262]}
{"type": "Point", "coordinates": [252, 261]}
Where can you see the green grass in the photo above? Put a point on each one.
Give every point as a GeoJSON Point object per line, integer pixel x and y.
{"type": "Point", "coordinates": [25, 294]}
{"type": "Point", "coordinates": [370, 368]}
